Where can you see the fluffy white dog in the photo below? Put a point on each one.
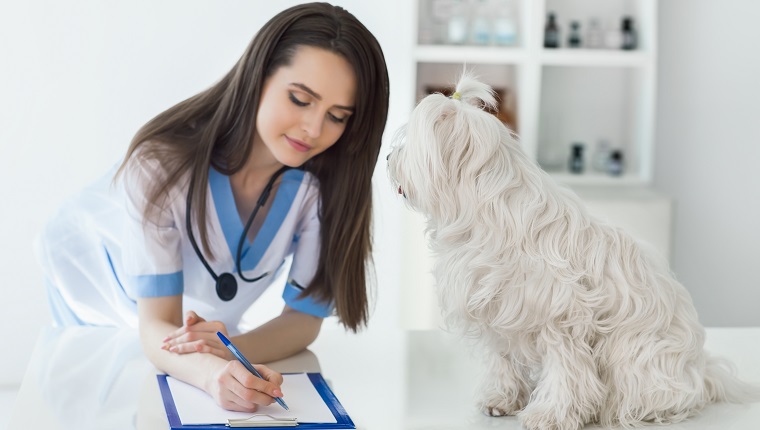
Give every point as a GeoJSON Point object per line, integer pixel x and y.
{"type": "Point", "coordinates": [578, 322]}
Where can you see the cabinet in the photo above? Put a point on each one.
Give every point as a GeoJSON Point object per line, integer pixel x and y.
{"type": "Point", "coordinates": [599, 97]}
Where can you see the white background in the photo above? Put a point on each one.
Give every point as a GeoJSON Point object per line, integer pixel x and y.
{"type": "Point", "coordinates": [78, 78]}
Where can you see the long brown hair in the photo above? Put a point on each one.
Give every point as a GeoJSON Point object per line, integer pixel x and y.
{"type": "Point", "coordinates": [216, 128]}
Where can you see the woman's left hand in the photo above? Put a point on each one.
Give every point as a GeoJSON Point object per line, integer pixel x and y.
{"type": "Point", "coordinates": [198, 335]}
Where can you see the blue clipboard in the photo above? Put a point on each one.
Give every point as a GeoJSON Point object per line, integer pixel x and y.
{"type": "Point", "coordinates": [342, 418]}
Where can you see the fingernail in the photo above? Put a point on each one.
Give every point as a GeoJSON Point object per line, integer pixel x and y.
{"type": "Point", "coordinates": [173, 349]}
{"type": "Point", "coordinates": [167, 338]}
{"type": "Point", "coordinates": [277, 393]}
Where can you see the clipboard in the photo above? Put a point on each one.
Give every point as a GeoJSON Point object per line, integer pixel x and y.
{"type": "Point", "coordinates": [343, 421]}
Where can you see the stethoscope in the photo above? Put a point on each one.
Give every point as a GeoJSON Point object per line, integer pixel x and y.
{"type": "Point", "coordinates": [226, 284]}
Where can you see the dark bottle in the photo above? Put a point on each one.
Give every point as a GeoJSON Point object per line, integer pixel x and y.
{"type": "Point", "coordinates": [615, 164]}
{"type": "Point", "coordinates": [551, 33]}
{"type": "Point", "coordinates": [574, 40]}
{"type": "Point", "coordinates": [576, 158]}
{"type": "Point", "coordinates": [629, 34]}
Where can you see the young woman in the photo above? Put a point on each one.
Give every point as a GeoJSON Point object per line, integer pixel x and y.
{"type": "Point", "coordinates": [273, 161]}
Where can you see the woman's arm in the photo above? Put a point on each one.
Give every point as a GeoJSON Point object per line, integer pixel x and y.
{"type": "Point", "coordinates": [287, 334]}
{"type": "Point", "coordinates": [228, 382]}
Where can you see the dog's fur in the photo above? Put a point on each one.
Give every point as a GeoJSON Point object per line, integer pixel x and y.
{"type": "Point", "coordinates": [578, 322]}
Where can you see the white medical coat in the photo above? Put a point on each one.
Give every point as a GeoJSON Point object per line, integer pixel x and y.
{"type": "Point", "coordinates": [99, 256]}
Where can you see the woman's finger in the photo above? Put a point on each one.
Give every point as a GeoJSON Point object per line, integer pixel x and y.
{"type": "Point", "coordinates": [226, 393]}
{"type": "Point", "coordinates": [199, 326]}
{"type": "Point", "coordinates": [256, 389]}
{"type": "Point", "coordinates": [192, 318]}
{"type": "Point", "coordinates": [269, 374]}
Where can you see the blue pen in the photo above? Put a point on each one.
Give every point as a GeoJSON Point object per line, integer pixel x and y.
{"type": "Point", "coordinates": [246, 363]}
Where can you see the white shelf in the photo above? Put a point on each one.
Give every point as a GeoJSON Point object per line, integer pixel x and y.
{"type": "Point", "coordinates": [594, 58]}
{"type": "Point", "coordinates": [470, 54]}
{"type": "Point", "coordinates": [597, 179]}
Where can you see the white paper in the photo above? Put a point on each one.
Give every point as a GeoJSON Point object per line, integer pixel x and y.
{"type": "Point", "coordinates": [194, 406]}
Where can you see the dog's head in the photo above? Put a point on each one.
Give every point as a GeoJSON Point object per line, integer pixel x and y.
{"type": "Point", "coordinates": [445, 159]}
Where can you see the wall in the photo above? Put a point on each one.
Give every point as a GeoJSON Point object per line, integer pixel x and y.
{"type": "Point", "coordinates": [78, 78]}
{"type": "Point", "coordinates": [708, 152]}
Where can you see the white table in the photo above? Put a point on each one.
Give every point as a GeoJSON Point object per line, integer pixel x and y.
{"type": "Point", "coordinates": [98, 378]}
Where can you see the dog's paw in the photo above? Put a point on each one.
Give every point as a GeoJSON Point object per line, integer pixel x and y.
{"type": "Point", "coordinates": [544, 417]}
{"type": "Point", "coordinates": [498, 406]}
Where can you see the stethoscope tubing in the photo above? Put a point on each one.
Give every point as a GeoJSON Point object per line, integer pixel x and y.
{"type": "Point", "coordinates": [226, 285]}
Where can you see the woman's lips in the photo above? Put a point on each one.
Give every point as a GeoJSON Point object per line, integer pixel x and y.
{"type": "Point", "coordinates": [297, 144]}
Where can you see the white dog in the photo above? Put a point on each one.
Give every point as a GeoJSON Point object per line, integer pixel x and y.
{"type": "Point", "coordinates": [579, 323]}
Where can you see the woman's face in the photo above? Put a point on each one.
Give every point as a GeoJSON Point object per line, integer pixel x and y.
{"type": "Point", "coordinates": [305, 106]}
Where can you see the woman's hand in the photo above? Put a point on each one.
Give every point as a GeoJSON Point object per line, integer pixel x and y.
{"type": "Point", "coordinates": [198, 335]}
{"type": "Point", "coordinates": [234, 388]}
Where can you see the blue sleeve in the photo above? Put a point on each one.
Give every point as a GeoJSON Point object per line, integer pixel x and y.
{"type": "Point", "coordinates": [307, 305]}
{"type": "Point", "coordinates": [169, 284]}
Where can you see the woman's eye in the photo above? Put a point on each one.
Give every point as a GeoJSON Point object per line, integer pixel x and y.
{"type": "Point", "coordinates": [295, 100]}
{"type": "Point", "coordinates": [337, 120]}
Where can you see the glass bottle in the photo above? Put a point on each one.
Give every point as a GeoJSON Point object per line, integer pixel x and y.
{"type": "Point", "coordinates": [551, 32]}
{"type": "Point", "coordinates": [504, 25]}
{"type": "Point", "coordinates": [629, 34]}
{"type": "Point", "coordinates": [440, 13]}
{"type": "Point", "coordinates": [615, 165]}
{"type": "Point", "coordinates": [457, 26]}
{"type": "Point", "coordinates": [574, 39]}
{"type": "Point", "coordinates": [576, 158]}
{"type": "Point", "coordinates": [594, 35]}
{"type": "Point", "coordinates": [601, 157]}
{"type": "Point", "coordinates": [480, 32]}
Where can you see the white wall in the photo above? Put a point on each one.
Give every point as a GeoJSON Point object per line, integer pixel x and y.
{"type": "Point", "coordinates": [78, 78]}
{"type": "Point", "coordinates": [708, 152]}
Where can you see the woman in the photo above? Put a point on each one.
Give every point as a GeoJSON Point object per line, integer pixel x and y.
{"type": "Point", "coordinates": [274, 161]}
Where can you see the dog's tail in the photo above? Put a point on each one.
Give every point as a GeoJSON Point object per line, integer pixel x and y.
{"type": "Point", "coordinates": [722, 385]}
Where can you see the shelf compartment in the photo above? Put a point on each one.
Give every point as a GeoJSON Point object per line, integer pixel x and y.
{"type": "Point", "coordinates": [503, 78]}
{"type": "Point", "coordinates": [589, 105]}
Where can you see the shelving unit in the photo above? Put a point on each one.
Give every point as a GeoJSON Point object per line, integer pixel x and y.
{"type": "Point", "coordinates": [558, 97]}
{"type": "Point", "coordinates": [583, 84]}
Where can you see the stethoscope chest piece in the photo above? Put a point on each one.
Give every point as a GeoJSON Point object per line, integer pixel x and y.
{"type": "Point", "coordinates": [226, 286]}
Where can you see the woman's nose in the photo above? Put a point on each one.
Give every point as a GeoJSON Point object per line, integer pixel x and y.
{"type": "Point", "coordinates": [312, 125]}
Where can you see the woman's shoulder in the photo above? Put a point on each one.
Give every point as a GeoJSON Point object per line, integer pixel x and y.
{"type": "Point", "coordinates": [146, 167]}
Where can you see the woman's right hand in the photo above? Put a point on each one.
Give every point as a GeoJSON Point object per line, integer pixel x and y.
{"type": "Point", "coordinates": [234, 388]}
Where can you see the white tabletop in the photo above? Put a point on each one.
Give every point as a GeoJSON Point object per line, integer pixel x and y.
{"type": "Point", "coordinates": [98, 378]}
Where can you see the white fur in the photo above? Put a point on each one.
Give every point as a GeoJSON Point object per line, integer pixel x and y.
{"type": "Point", "coordinates": [578, 322]}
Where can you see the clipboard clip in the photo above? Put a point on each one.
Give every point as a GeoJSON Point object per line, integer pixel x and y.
{"type": "Point", "coordinates": [262, 420]}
